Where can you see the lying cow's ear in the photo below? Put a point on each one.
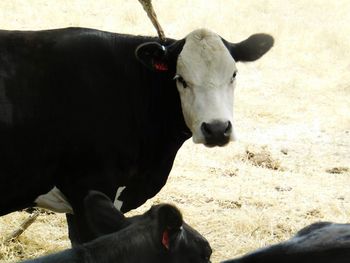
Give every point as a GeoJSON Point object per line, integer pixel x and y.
{"type": "Point", "coordinates": [153, 56]}
{"type": "Point", "coordinates": [170, 221]}
{"type": "Point", "coordinates": [102, 217]}
{"type": "Point", "coordinates": [252, 48]}
{"type": "Point", "coordinates": [169, 217]}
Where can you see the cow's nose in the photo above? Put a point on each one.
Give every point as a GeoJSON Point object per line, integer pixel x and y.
{"type": "Point", "coordinates": [216, 133]}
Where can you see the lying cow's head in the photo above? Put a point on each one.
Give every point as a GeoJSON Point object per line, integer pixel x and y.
{"type": "Point", "coordinates": [159, 235]}
{"type": "Point", "coordinates": [205, 75]}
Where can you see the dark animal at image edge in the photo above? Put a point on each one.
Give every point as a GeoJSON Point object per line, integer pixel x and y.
{"type": "Point", "coordinates": [79, 112]}
{"type": "Point", "coordinates": [157, 236]}
{"type": "Point", "coordinates": [322, 242]}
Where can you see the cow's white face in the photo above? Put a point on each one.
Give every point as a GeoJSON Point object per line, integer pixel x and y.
{"type": "Point", "coordinates": [205, 76]}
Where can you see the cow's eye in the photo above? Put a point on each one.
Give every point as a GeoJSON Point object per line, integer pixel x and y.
{"type": "Point", "coordinates": [233, 76]}
{"type": "Point", "coordinates": [181, 80]}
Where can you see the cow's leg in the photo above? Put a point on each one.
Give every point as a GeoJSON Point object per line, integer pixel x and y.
{"type": "Point", "coordinates": [81, 172]}
{"type": "Point", "coordinates": [78, 231]}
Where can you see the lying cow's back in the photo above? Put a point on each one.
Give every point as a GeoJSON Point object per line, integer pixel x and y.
{"type": "Point", "coordinates": [321, 242]}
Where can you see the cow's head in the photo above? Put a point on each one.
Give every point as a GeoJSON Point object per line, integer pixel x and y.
{"type": "Point", "coordinates": [159, 233]}
{"type": "Point", "coordinates": [205, 76]}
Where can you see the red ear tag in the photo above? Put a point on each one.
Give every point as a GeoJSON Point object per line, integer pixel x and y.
{"type": "Point", "coordinates": [160, 66]}
{"type": "Point", "coordinates": [165, 239]}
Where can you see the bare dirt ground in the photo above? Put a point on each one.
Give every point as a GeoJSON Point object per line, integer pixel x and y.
{"type": "Point", "coordinates": [291, 163]}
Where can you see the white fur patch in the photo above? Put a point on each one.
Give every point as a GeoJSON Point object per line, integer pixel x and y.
{"type": "Point", "coordinates": [55, 201]}
{"type": "Point", "coordinates": [117, 203]}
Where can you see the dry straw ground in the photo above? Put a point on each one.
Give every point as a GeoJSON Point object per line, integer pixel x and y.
{"type": "Point", "coordinates": [291, 164]}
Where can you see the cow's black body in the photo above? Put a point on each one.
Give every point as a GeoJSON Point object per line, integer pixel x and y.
{"type": "Point", "coordinates": [78, 111]}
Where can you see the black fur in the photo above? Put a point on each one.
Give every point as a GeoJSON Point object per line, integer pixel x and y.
{"type": "Point", "coordinates": [139, 238]}
{"type": "Point", "coordinates": [321, 242]}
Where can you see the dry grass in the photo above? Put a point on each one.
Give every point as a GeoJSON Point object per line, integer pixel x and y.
{"type": "Point", "coordinates": [292, 108]}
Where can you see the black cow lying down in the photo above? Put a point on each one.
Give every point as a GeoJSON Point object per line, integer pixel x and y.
{"type": "Point", "coordinates": [157, 236]}
{"type": "Point", "coordinates": [322, 242]}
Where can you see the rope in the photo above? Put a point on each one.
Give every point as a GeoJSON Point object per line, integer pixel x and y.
{"type": "Point", "coordinates": [147, 6]}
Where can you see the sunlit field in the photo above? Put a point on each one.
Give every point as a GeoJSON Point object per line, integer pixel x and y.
{"type": "Point", "coordinates": [291, 163]}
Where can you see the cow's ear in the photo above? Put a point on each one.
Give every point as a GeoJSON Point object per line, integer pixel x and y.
{"type": "Point", "coordinates": [170, 221]}
{"type": "Point", "coordinates": [169, 217]}
{"type": "Point", "coordinates": [252, 48]}
{"type": "Point", "coordinates": [102, 217]}
{"type": "Point", "coordinates": [153, 56]}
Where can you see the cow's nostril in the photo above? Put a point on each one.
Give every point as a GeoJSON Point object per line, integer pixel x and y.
{"type": "Point", "coordinates": [206, 129]}
{"type": "Point", "coordinates": [228, 128]}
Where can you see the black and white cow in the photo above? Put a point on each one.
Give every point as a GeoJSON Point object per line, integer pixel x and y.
{"type": "Point", "coordinates": [157, 236]}
{"type": "Point", "coordinates": [78, 111]}
{"type": "Point", "coordinates": [322, 242]}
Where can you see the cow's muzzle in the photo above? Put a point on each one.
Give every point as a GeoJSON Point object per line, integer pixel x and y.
{"type": "Point", "coordinates": [216, 133]}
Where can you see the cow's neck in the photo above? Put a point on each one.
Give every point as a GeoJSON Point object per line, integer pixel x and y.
{"type": "Point", "coordinates": [162, 129]}
{"type": "Point", "coordinates": [156, 91]}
